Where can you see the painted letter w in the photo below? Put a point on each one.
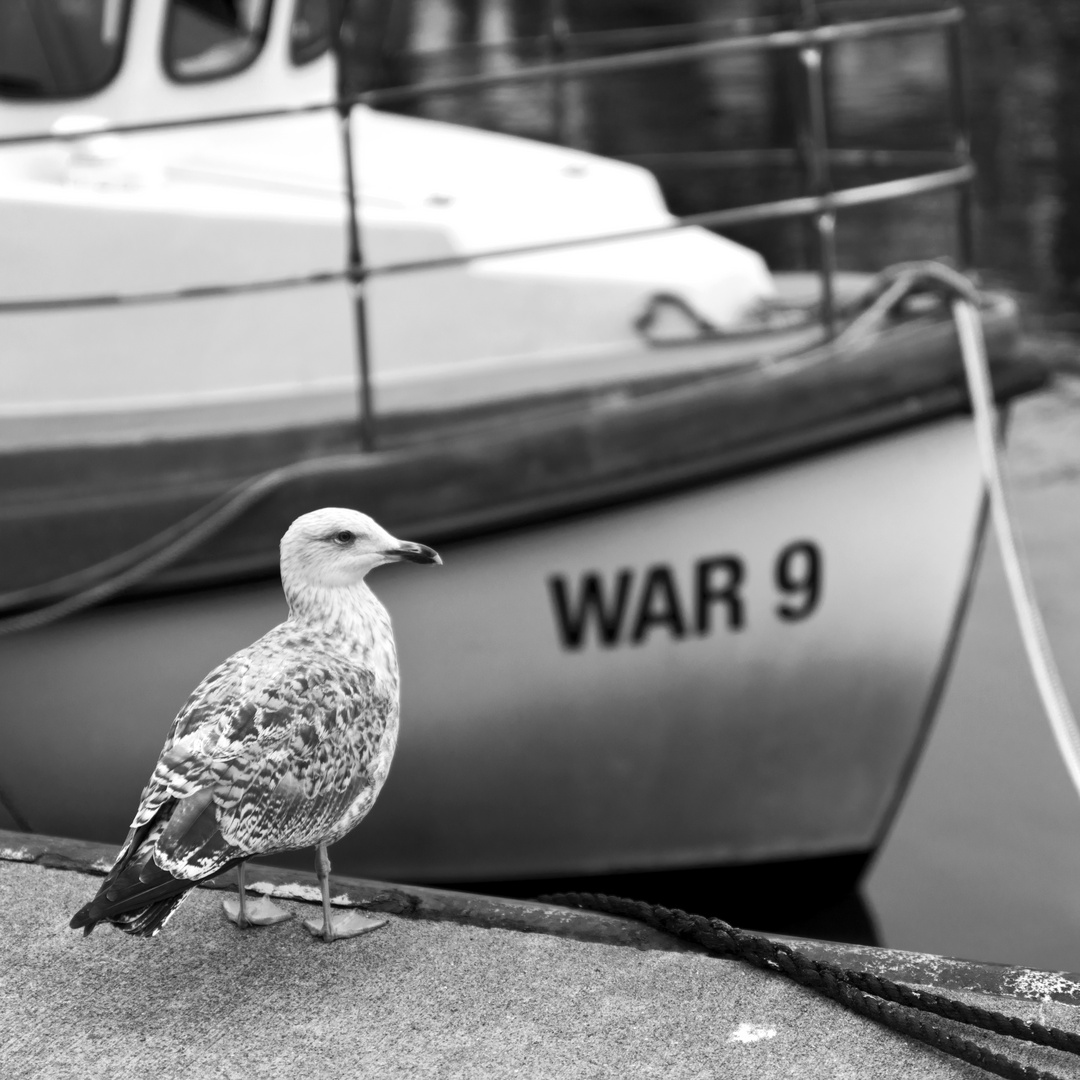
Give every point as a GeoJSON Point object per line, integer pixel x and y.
{"type": "Point", "coordinates": [574, 614]}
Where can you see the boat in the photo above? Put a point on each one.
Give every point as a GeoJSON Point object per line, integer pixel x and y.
{"type": "Point", "coordinates": [708, 531]}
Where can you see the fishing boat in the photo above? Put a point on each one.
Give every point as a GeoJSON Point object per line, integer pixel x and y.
{"type": "Point", "coordinates": [708, 531]}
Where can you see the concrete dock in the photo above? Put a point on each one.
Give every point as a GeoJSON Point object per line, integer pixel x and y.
{"type": "Point", "coordinates": [454, 985]}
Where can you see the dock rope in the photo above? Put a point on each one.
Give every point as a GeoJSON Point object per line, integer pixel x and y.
{"type": "Point", "coordinates": [896, 284]}
{"type": "Point", "coordinates": [1040, 656]}
{"type": "Point", "coordinates": [96, 584]}
{"type": "Point", "coordinates": [894, 1005]}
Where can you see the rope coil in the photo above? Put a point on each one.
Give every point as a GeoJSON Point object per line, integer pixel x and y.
{"type": "Point", "coordinates": [894, 1005]}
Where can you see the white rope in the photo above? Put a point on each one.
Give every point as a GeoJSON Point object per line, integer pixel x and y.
{"type": "Point", "coordinates": [1032, 631]}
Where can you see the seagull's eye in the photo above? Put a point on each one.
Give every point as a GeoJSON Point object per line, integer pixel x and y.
{"type": "Point", "coordinates": [344, 538]}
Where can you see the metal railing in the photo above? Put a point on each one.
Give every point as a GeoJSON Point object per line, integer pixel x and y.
{"type": "Point", "coordinates": [821, 205]}
{"type": "Point", "coordinates": [947, 19]}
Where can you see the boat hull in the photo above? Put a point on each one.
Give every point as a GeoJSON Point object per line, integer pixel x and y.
{"type": "Point", "coordinates": [738, 671]}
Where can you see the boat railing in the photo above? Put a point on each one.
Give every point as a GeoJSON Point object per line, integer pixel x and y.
{"type": "Point", "coordinates": [948, 170]}
{"type": "Point", "coordinates": [809, 41]}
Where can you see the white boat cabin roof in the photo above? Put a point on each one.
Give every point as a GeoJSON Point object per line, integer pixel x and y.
{"type": "Point", "coordinates": [155, 218]}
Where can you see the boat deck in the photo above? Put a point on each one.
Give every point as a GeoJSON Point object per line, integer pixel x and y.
{"type": "Point", "coordinates": [453, 986]}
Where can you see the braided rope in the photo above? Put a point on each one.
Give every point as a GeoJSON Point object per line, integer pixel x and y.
{"type": "Point", "coordinates": [106, 579]}
{"type": "Point", "coordinates": [891, 1004]}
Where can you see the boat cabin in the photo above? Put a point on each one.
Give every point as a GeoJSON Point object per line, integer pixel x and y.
{"type": "Point", "coordinates": [178, 236]}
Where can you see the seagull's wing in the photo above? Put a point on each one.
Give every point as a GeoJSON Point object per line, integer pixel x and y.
{"type": "Point", "coordinates": [271, 750]}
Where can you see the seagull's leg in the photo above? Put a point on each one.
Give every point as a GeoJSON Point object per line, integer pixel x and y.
{"type": "Point", "coordinates": [236, 909]}
{"type": "Point", "coordinates": [349, 923]}
{"type": "Point", "coordinates": [241, 895]}
{"type": "Point", "coordinates": [322, 872]}
{"type": "Point", "coordinates": [260, 911]}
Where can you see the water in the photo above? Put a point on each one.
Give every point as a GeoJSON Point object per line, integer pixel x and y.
{"type": "Point", "coordinates": [984, 859]}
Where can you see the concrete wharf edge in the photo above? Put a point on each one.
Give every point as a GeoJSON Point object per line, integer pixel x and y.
{"type": "Point", "coordinates": [533, 917]}
{"type": "Point", "coordinates": [566, 998]}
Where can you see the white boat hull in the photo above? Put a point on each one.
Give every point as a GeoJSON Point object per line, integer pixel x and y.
{"type": "Point", "coordinates": [761, 694]}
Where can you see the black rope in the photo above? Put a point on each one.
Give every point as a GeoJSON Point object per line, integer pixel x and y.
{"type": "Point", "coordinates": [891, 1004]}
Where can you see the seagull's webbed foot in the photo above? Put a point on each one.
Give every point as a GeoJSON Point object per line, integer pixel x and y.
{"type": "Point", "coordinates": [345, 924]}
{"type": "Point", "coordinates": [255, 911]}
{"type": "Point", "coordinates": [247, 911]}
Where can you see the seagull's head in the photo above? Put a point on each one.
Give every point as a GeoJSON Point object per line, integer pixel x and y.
{"type": "Point", "coordinates": [337, 547]}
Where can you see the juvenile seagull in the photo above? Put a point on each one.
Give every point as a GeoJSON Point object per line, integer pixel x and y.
{"type": "Point", "coordinates": [285, 745]}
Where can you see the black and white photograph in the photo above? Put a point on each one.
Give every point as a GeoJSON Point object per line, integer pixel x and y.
{"type": "Point", "coordinates": [539, 538]}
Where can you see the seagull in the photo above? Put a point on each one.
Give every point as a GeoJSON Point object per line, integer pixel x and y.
{"type": "Point", "coordinates": [283, 746]}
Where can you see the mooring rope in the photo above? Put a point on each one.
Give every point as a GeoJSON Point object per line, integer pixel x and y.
{"type": "Point", "coordinates": [889, 1003]}
{"type": "Point", "coordinates": [899, 282]}
{"type": "Point", "coordinates": [95, 584]}
{"type": "Point", "coordinates": [1040, 655]}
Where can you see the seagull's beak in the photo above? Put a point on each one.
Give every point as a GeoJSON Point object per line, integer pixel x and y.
{"type": "Point", "coordinates": [412, 553]}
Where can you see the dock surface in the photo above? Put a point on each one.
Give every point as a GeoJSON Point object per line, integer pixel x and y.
{"type": "Point", "coordinates": [452, 986]}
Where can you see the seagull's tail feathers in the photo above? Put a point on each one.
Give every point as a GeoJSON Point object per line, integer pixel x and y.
{"type": "Point", "coordinates": [134, 907]}
{"type": "Point", "coordinates": [139, 895]}
{"type": "Point", "coordinates": [143, 921]}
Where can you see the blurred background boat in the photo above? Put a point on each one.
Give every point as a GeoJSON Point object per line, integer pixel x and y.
{"type": "Point", "coordinates": [708, 530]}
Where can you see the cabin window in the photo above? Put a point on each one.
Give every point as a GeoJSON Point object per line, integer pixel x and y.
{"type": "Point", "coordinates": [312, 29]}
{"type": "Point", "coordinates": [210, 39]}
{"type": "Point", "coordinates": [58, 49]}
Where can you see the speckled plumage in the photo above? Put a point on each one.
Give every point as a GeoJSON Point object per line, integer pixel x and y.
{"type": "Point", "coordinates": [284, 745]}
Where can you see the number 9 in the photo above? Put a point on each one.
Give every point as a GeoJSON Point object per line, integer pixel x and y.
{"type": "Point", "coordinates": [798, 573]}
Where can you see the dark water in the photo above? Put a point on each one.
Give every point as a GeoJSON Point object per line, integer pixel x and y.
{"type": "Point", "coordinates": [984, 859]}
